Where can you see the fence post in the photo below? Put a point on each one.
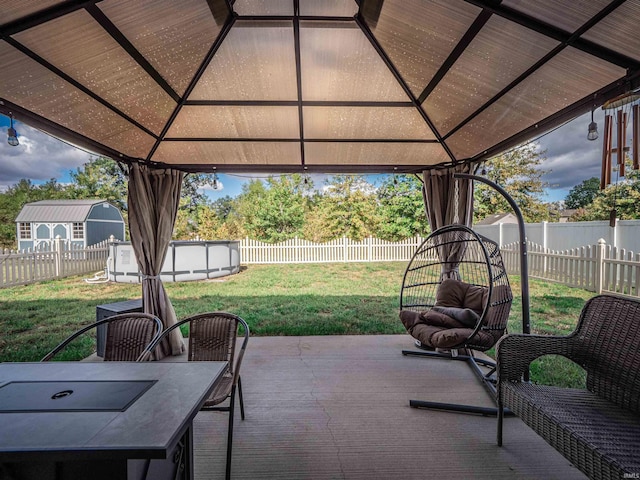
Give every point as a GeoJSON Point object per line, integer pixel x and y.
{"type": "Point", "coordinates": [600, 249]}
{"type": "Point", "coordinates": [545, 247]}
{"type": "Point", "coordinates": [369, 249]}
{"type": "Point", "coordinates": [345, 250]}
{"type": "Point", "coordinates": [57, 255]}
{"type": "Point", "coordinates": [111, 254]}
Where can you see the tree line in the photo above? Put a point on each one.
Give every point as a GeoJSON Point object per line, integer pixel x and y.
{"type": "Point", "coordinates": [621, 197]}
{"type": "Point", "coordinates": [287, 206]}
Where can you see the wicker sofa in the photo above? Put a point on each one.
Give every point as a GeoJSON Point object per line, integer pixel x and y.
{"type": "Point", "coordinates": [597, 429]}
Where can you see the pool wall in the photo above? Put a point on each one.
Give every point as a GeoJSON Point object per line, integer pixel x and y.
{"type": "Point", "coordinates": [185, 261]}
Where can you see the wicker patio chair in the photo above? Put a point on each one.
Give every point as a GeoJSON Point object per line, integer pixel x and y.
{"type": "Point", "coordinates": [597, 428]}
{"type": "Point", "coordinates": [212, 337]}
{"type": "Point", "coordinates": [129, 337]}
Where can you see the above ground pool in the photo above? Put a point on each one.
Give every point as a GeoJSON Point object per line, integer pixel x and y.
{"type": "Point", "coordinates": [185, 260]}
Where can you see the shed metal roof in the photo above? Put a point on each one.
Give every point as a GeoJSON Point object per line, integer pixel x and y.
{"type": "Point", "coordinates": [57, 211]}
{"type": "Point", "coordinates": [326, 85]}
{"type": "Point", "coordinates": [498, 218]}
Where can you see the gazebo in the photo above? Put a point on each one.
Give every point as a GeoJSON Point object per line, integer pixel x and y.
{"type": "Point", "coordinates": [404, 86]}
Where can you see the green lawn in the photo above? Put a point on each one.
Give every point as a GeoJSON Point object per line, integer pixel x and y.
{"type": "Point", "coordinates": [302, 299]}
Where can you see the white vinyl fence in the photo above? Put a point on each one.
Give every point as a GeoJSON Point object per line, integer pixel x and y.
{"type": "Point", "coordinates": [567, 235]}
{"type": "Point", "coordinates": [340, 250]}
{"type": "Point", "coordinates": [599, 268]}
{"type": "Point", "coordinates": [24, 267]}
{"type": "Point", "coordinates": [62, 259]}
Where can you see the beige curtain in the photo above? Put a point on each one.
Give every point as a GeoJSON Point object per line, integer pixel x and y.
{"type": "Point", "coordinates": [440, 193]}
{"type": "Point", "coordinates": [154, 196]}
{"type": "Point", "coordinates": [449, 201]}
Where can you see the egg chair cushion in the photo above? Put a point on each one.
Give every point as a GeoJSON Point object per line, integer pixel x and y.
{"type": "Point", "coordinates": [452, 319]}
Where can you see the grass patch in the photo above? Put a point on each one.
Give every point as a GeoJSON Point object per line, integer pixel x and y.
{"type": "Point", "coordinates": [554, 310]}
{"type": "Point", "coordinates": [558, 370]}
{"type": "Point", "coordinates": [300, 299]}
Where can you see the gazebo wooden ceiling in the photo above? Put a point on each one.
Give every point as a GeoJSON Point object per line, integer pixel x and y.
{"type": "Point", "coordinates": [322, 85]}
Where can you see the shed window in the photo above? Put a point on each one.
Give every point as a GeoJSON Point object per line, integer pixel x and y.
{"type": "Point", "coordinates": [78, 230]}
{"type": "Point", "coordinates": [25, 231]}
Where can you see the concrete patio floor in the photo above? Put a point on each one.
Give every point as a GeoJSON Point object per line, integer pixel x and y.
{"type": "Point", "coordinates": [337, 407]}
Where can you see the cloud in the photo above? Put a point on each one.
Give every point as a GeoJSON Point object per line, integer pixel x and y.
{"type": "Point", "coordinates": [39, 157]}
{"type": "Point", "coordinates": [570, 157]}
{"type": "Point", "coordinates": [209, 187]}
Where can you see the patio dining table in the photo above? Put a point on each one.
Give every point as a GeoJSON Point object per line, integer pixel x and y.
{"type": "Point", "coordinates": [106, 420]}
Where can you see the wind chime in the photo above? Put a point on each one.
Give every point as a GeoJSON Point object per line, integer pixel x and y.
{"type": "Point", "coordinates": [617, 113]}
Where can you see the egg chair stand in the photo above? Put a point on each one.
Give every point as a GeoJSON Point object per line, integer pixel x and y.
{"type": "Point", "coordinates": [487, 378]}
{"type": "Point", "coordinates": [455, 300]}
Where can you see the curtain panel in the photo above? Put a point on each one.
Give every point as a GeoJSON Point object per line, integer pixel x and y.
{"type": "Point", "coordinates": [449, 201]}
{"type": "Point", "coordinates": [153, 199]}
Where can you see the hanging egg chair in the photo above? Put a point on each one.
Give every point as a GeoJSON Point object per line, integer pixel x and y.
{"type": "Point", "coordinates": [455, 292]}
{"type": "Point", "coordinates": [456, 297]}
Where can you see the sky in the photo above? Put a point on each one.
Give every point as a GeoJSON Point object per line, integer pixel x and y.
{"type": "Point", "coordinates": [570, 159]}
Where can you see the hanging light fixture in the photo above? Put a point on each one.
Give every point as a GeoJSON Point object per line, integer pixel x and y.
{"type": "Point", "coordinates": [593, 129]}
{"type": "Point", "coordinates": [216, 184]}
{"type": "Point", "coordinates": [12, 135]}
